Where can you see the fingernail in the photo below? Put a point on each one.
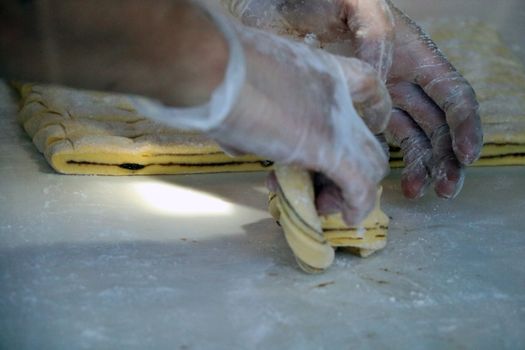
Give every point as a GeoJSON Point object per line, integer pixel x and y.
{"type": "Point", "coordinates": [467, 142]}
{"type": "Point", "coordinates": [414, 184]}
{"type": "Point", "coordinates": [360, 206]}
{"type": "Point", "coordinates": [448, 183]}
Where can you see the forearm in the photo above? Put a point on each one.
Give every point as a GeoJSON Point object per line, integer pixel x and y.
{"type": "Point", "coordinates": [169, 50]}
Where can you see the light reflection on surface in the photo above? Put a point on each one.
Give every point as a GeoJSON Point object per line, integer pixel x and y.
{"type": "Point", "coordinates": [177, 200]}
{"type": "Point", "coordinates": [261, 189]}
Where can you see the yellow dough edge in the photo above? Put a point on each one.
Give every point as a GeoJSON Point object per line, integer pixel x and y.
{"type": "Point", "coordinates": [370, 234]}
{"type": "Point", "coordinates": [94, 133]}
{"type": "Point", "coordinates": [90, 133]}
{"type": "Point", "coordinates": [299, 220]}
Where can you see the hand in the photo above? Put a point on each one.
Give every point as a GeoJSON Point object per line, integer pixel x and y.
{"type": "Point", "coordinates": [293, 104]}
{"type": "Point", "coordinates": [366, 25]}
{"type": "Point", "coordinates": [167, 50]}
{"type": "Point", "coordinates": [435, 119]}
{"type": "Point", "coordinates": [295, 107]}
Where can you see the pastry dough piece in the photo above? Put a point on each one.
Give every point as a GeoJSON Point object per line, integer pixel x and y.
{"type": "Point", "coordinates": [83, 132]}
{"type": "Point", "coordinates": [313, 238]}
{"type": "Point", "coordinates": [498, 78]}
{"type": "Point", "coordinates": [295, 210]}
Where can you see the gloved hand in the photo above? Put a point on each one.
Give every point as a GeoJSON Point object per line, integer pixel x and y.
{"type": "Point", "coordinates": [366, 25]}
{"type": "Point", "coordinates": [252, 91]}
{"type": "Point", "coordinates": [293, 104]}
{"type": "Point", "coordinates": [301, 100]}
{"type": "Point", "coordinates": [435, 120]}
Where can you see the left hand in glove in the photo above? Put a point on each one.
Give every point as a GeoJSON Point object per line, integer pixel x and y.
{"type": "Point", "coordinates": [435, 119]}
{"type": "Point", "coordinates": [366, 25]}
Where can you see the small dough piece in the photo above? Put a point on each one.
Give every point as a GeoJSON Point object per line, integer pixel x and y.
{"type": "Point", "coordinates": [497, 76]}
{"type": "Point", "coordinates": [313, 238]}
{"type": "Point", "coordinates": [297, 215]}
{"type": "Point", "coordinates": [96, 133]}
{"type": "Point", "coordinates": [364, 239]}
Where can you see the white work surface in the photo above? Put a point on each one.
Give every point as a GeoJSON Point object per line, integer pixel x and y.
{"type": "Point", "coordinates": [196, 262]}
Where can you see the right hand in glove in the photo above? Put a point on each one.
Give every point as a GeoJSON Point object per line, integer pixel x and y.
{"type": "Point", "coordinates": [278, 99]}
{"type": "Point", "coordinates": [436, 119]}
{"type": "Point", "coordinates": [295, 106]}
{"type": "Point", "coordinates": [435, 122]}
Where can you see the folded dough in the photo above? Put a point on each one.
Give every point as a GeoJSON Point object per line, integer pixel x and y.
{"type": "Point", "coordinates": [83, 132]}
{"type": "Point", "coordinates": [313, 238]}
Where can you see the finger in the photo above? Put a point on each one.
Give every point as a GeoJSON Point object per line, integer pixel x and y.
{"type": "Point", "coordinates": [447, 172]}
{"type": "Point", "coordinates": [417, 153]}
{"type": "Point", "coordinates": [412, 99]}
{"type": "Point", "coordinates": [271, 182]}
{"type": "Point", "coordinates": [328, 197]}
{"type": "Point", "coordinates": [352, 192]}
{"type": "Point", "coordinates": [372, 25]}
{"type": "Point", "coordinates": [369, 95]}
{"type": "Point", "coordinates": [444, 85]}
{"type": "Point", "coordinates": [330, 200]}
{"type": "Point", "coordinates": [358, 203]}
{"type": "Point", "coordinates": [458, 100]}
{"type": "Point", "coordinates": [357, 176]}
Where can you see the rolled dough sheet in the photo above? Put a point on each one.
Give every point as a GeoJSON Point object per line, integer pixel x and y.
{"type": "Point", "coordinates": [97, 133]}
{"type": "Point", "coordinates": [313, 238]}
{"type": "Point", "coordinates": [498, 78]}
{"type": "Point", "coordinates": [83, 132]}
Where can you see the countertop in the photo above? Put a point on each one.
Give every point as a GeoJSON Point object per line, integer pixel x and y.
{"type": "Point", "coordinates": [196, 262]}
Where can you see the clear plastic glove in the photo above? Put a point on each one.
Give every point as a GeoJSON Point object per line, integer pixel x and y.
{"type": "Point", "coordinates": [294, 104]}
{"type": "Point", "coordinates": [367, 25]}
{"type": "Point", "coordinates": [296, 107]}
{"type": "Point", "coordinates": [253, 91]}
{"type": "Point", "coordinates": [435, 120]}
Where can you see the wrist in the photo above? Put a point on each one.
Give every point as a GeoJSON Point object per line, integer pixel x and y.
{"type": "Point", "coordinates": [198, 59]}
{"type": "Point", "coordinates": [212, 97]}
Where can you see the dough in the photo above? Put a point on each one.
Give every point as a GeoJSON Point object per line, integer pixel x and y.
{"type": "Point", "coordinates": [498, 78]}
{"type": "Point", "coordinates": [293, 207]}
{"type": "Point", "coordinates": [313, 238]}
{"type": "Point", "coordinates": [83, 132]}
{"type": "Point", "coordinates": [96, 133]}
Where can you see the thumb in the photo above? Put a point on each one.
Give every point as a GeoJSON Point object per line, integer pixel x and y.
{"type": "Point", "coordinates": [372, 25]}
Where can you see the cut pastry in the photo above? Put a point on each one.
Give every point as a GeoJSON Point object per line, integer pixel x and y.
{"type": "Point", "coordinates": [498, 78]}
{"type": "Point", "coordinates": [295, 210]}
{"type": "Point", "coordinates": [97, 133]}
{"type": "Point", "coordinates": [313, 238]}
